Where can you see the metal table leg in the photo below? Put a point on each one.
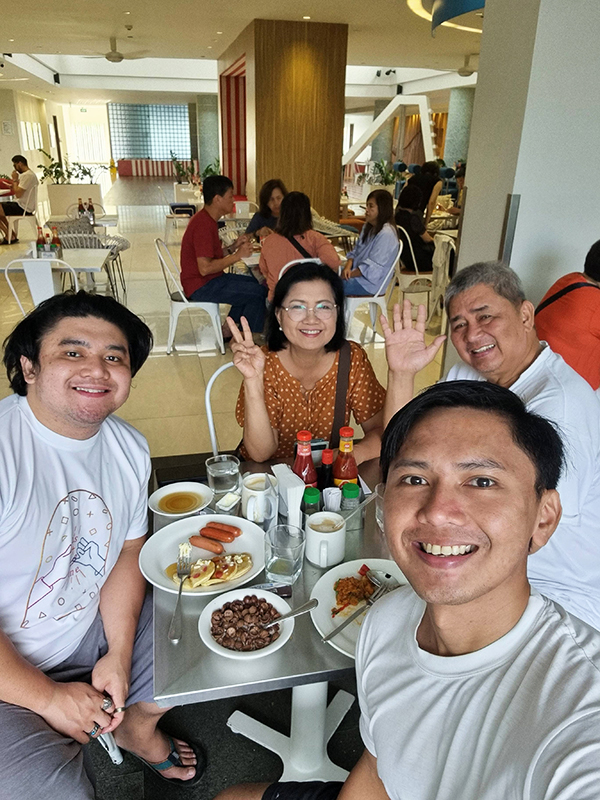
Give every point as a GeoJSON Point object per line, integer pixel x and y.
{"type": "Point", "coordinates": [304, 751]}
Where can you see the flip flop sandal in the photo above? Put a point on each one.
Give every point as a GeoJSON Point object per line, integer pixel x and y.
{"type": "Point", "coordinates": [174, 760]}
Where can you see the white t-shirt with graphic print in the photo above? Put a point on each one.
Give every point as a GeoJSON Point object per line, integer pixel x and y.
{"type": "Point", "coordinates": [66, 508]}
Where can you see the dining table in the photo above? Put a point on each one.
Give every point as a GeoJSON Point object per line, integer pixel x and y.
{"type": "Point", "coordinates": [89, 261]}
{"type": "Point", "coordinates": [188, 672]}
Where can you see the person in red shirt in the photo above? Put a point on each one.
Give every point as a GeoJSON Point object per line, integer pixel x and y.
{"type": "Point", "coordinates": [568, 318]}
{"type": "Point", "coordinates": [203, 262]}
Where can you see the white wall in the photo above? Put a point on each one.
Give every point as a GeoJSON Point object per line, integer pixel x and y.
{"type": "Point", "coordinates": [535, 133]}
{"type": "Point", "coordinates": [557, 172]}
{"type": "Point", "coordinates": [10, 144]}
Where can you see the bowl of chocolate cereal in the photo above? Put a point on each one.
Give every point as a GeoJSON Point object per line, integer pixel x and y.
{"type": "Point", "coordinates": [232, 624]}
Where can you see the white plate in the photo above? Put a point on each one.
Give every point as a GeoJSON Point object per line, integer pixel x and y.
{"type": "Point", "coordinates": [286, 627]}
{"type": "Point", "coordinates": [162, 549]}
{"type": "Point", "coordinates": [204, 492]}
{"type": "Point", "coordinates": [323, 590]}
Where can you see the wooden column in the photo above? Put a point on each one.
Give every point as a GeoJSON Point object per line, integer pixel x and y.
{"type": "Point", "coordinates": [295, 79]}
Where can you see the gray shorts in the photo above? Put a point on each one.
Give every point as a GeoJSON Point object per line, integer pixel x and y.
{"type": "Point", "coordinates": [34, 755]}
{"type": "Point", "coordinates": [306, 790]}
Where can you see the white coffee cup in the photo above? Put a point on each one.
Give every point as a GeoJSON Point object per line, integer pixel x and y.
{"type": "Point", "coordinates": [324, 548]}
{"type": "Point", "coordinates": [260, 499]}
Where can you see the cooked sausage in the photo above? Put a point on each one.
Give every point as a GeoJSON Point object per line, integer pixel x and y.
{"type": "Point", "coordinates": [217, 533]}
{"type": "Point", "coordinates": [207, 544]}
{"type": "Point", "coordinates": [229, 528]}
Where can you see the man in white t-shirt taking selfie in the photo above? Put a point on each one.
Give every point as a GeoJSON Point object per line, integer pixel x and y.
{"type": "Point", "coordinates": [75, 626]}
{"type": "Point", "coordinates": [24, 188]}
{"type": "Point", "coordinates": [472, 685]}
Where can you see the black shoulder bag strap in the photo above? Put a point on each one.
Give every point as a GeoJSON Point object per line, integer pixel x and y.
{"type": "Point", "coordinates": [563, 292]}
{"type": "Point", "coordinates": [341, 390]}
{"type": "Point", "coordinates": [304, 253]}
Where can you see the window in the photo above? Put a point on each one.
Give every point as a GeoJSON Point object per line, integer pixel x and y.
{"type": "Point", "coordinates": [149, 131]}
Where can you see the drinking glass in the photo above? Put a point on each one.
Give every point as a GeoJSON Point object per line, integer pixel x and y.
{"type": "Point", "coordinates": [284, 551]}
{"type": "Point", "coordinates": [223, 473]}
{"type": "Point", "coordinates": [379, 491]}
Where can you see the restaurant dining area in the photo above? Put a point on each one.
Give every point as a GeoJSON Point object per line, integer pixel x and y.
{"type": "Point", "coordinates": [300, 422]}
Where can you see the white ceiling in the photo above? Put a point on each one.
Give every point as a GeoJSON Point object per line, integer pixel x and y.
{"type": "Point", "coordinates": [383, 32]}
{"type": "Point", "coordinates": [391, 36]}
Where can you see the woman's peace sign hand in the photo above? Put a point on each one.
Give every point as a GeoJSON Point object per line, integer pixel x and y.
{"type": "Point", "coordinates": [247, 356]}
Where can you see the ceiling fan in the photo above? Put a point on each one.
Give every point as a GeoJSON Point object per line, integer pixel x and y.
{"type": "Point", "coordinates": [466, 70]}
{"type": "Point", "coordinates": [115, 57]}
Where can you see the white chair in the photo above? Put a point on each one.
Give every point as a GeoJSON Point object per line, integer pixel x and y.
{"type": "Point", "coordinates": [113, 266]}
{"type": "Point", "coordinates": [295, 261]}
{"type": "Point", "coordinates": [73, 211]}
{"type": "Point", "coordinates": [380, 299]}
{"type": "Point", "coordinates": [13, 220]}
{"type": "Point", "coordinates": [245, 207]}
{"type": "Point", "coordinates": [178, 300]}
{"type": "Point", "coordinates": [209, 415]}
{"type": "Point", "coordinates": [445, 247]}
{"type": "Point", "coordinates": [176, 214]}
{"type": "Point", "coordinates": [413, 282]}
{"type": "Point", "coordinates": [41, 275]}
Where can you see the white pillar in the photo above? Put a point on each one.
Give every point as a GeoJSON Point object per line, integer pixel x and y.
{"type": "Point", "coordinates": [535, 133]}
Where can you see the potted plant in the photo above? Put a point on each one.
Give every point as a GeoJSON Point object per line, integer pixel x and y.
{"type": "Point", "coordinates": [69, 181]}
{"type": "Point", "coordinates": [379, 175]}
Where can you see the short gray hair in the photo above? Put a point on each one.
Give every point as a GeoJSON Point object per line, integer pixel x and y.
{"type": "Point", "coordinates": [503, 280]}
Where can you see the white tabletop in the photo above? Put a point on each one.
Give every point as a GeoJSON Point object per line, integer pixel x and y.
{"type": "Point", "coordinates": [82, 260]}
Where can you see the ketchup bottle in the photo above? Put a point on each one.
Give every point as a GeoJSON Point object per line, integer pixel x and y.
{"type": "Point", "coordinates": [303, 465]}
{"type": "Point", "coordinates": [345, 469]}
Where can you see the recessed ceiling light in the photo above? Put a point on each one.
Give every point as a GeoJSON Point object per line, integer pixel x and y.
{"type": "Point", "coordinates": [305, 17]}
{"type": "Point", "coordinates": [210, 47]}
{"type": "Point", "coordinates": [128, 12]}
{"type": "Point", "coordinates": [11, 40]}
{"type": "Point", "coordinates": [219, 33]}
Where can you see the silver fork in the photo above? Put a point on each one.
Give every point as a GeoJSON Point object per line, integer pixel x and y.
{"type": "Point", "coordinates": [184, 568]}
{"type": "Point", "coordinates": [379, 592]}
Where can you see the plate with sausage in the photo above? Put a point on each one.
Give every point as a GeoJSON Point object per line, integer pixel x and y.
{"type": "Point", "coordinates": [226, 552]}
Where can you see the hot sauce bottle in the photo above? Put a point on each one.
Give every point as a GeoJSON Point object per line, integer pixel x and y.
{"type": "Point", "coordinates": [303, 465]}
{"type": "Point", "coordinates": [345, 469]}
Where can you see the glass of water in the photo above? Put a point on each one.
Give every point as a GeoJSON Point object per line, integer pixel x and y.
{"type": "Point", "coordinates": [379, 491]}
{"type": "Point", "coordinates": [223, 473]}
{"type": "Point", "coordinates": [284, 552]}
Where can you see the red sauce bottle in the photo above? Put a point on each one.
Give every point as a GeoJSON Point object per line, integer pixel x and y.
{"type": "Point", "coordinates": [345, 469]}
{"type": "Point", "coordinates": [303, 465]}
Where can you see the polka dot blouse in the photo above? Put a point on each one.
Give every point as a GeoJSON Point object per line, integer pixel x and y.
{"type": "Point", "coordinates": [291, 409]}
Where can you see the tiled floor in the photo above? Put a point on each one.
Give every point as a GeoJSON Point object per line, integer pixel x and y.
{"type": "Point", "coordinates": [167, 397]}
{"type": "Point", "coordinates": [167, 405]}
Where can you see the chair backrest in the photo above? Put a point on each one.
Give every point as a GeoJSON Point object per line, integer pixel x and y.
{"type": "Point", "coordinates": [73, 211]}
{"type": "Point", "coordinates": [208, 407]}
{"type": "Point", "coordinates": [79, 225]}
{"type": "Point", "coordinates": [81, 241]}
{"type": "Point", "coordinates": [406, 240]}
{"type": "Point", "coordinates": [388, 275]}
{"type": "Point", "coordinates": [245, 207]}
{"type": "Point", "coordinates": [169, 269]}
{"type": "Point", "coordinates": [38, 274]}
{"type": "Point", "coordinates": [296, 261]}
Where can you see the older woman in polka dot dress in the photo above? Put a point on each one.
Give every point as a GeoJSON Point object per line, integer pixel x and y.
{"type": "Point", "coordinates": [290, 384]}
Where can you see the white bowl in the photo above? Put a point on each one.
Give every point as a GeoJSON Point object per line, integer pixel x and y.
{"type": "Point", "coordinates": [204, 492]}
{"type": "Point", "coordinates": [286, 627]}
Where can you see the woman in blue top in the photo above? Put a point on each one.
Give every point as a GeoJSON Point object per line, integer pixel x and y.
{"type": "Point", "coordinates": [376, 249]}
{"type": "Point", "coordinates": [269, 203]}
